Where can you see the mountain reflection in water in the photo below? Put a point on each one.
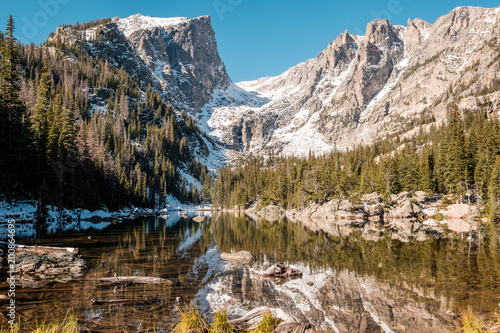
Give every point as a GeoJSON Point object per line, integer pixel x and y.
{"type": "Point", "coordinates": [350, 283]}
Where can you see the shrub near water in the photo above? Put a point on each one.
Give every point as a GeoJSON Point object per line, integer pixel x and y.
{"type": "Point", "coordinates": [472, 322]}
{"type": "Point", "coordinates": [221, 324]}
{"type": "Point", "coordinates": [8, 328]}
{"type": "Point", "coordinates": [68, 325]}
{"type": "Point", "coordinates": [268, 323]}
{"type": "Point", "coordinates": [191, 319]}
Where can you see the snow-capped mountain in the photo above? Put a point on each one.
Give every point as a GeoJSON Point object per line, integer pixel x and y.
{"type": "Point", "coordinates": [365, 87]}
{"type": "Point", "coordinates": [177, 56]}
{"type": "Point", "coordinates": [358, 89]}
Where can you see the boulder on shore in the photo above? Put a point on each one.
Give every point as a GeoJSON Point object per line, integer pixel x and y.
{"type": "Point", "coordinates": [334, 209]}
{"type": "Point", "coordinates": [405, 210]}
{"type": "Point", "coordinates": [462, 211]}
{"type": "Point", "coordinates": [372, 198]}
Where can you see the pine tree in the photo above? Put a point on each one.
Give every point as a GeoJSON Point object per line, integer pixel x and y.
{"type": "Point", "coordinates": [13, 130]}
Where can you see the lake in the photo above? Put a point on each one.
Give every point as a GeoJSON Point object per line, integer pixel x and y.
{"type": "Point", "coordinates": [352, 282]}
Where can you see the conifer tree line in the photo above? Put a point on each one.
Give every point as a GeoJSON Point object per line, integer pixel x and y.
{"type": "Point", "coordinates": [460, 159]}
{"type": "Point", "coordinates": [57, 148]}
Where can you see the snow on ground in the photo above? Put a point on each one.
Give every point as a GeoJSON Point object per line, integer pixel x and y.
{"type": "Point", "coordinates": [25, 211]}
{"type": "Point", "coordinates": [173, 204]}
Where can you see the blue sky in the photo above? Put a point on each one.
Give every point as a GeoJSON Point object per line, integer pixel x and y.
{"type": "Point", "coordinates": [256, 38]}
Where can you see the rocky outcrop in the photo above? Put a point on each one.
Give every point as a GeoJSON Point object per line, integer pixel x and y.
{"type": "Point", "coordinates": [405, 210]}
{"type": "Point", "coordinates": [409, 216]}
{"type": "Point", "coordinates": [462, 211]}
{"type": "Point", "coordinates": [271, 213]}
{"type": "Point", "coordinates": [333, 210]}
{"type": "Point", "coordinates": [361, 88]}
{"type": "Point", "coordinates": [177, 56]}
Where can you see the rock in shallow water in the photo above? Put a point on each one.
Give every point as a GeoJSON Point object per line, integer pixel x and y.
{"type": "Point", "coordinates": [281, 270]}
{"type": "Point", "coordinates": [33, 268]}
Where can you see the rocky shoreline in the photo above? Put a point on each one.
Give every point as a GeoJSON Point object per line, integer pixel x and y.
{"type": "Point", "coordinates": [409, 215]}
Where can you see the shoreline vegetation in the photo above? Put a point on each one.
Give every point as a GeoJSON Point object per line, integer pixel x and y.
{"type": "Point", "coordinates": [263, 320]}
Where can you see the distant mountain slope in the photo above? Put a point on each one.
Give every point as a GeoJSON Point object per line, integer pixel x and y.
{"type": "Point", "coordinates": [361, 88]}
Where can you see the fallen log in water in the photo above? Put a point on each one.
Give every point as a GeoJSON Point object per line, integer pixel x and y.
{"type": "Point", "coordinates": [123, 301]}
{"type": "Point", "coordinates": [237, 256]}
{"type": "Point", "coordinates": [45, 249]}
{"type": "Point", "coordinates": [117, 280]}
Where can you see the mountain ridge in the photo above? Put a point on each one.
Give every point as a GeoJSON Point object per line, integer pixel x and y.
{"type": "Point", "coordinates": [358, 89]}
{"type": "Point", "coordinates": [368, 80]}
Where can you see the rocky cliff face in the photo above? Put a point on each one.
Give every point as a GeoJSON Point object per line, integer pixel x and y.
{"type": "Point", "coordinates": [361, 88]}
{"type": "Point", "coordinates": [175, 55]}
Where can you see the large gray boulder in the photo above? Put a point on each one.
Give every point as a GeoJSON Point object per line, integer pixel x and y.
{"type": "Point", "coordinates": [405, 210]}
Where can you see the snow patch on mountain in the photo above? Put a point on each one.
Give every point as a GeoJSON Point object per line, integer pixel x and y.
{"type": "Point", "coordinates": [135, 22]}
{"type": "Point", "coordinates": [303, 141]}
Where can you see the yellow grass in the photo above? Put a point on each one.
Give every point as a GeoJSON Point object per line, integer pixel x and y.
{"type": "Point", "coordinates": [191, 319]}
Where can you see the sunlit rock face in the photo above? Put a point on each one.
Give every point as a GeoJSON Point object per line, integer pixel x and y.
{"type": "Point", "coordinates": [177, 56]}
{"type": "Point", "coordinates": [361, 88]}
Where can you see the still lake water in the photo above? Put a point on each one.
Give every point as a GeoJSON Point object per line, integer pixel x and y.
{"type": "Point", "coordinates": [351, 283]}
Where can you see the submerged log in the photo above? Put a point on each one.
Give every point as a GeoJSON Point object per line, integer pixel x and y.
{"type": "Point", "coordinates": [117, 280]}
{"type": "Point", "coordinates": [282, 271]}
{"type": "Point", "coordinates": [237, 256]}
{"type": "Point", "coordinates": [199, 219]}
{"type": "Point", "coordinates": [123, 301]}
{"type": "Point", "coordinates": [45, 249]}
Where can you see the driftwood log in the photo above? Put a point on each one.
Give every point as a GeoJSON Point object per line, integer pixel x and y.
{"type": "Point", "coordinates": [237, 256]}
{"type": "Point", "coordinates": [294, 328]}
{"type": "Point", "coordinates": [45, 249]}
{"type": "Point", "coordinates": [123, 301]}
{"type": "Point", "coordinates": [282, 271]}
{"type": "Point", "coordinates": [117, 280]}
{"type": "Point", "coordinates": [252, 319]}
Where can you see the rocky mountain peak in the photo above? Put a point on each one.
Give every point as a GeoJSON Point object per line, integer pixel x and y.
{"type": "Point", "coordinates": [365, 87]}
{"type": "Point", "coordinates": [177, 56]}
{"type": "Point", "coordinates": [381, 33]}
